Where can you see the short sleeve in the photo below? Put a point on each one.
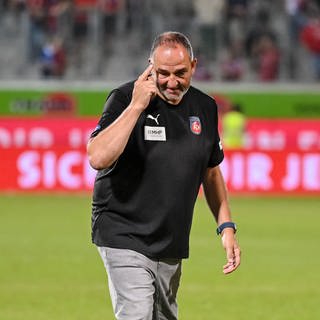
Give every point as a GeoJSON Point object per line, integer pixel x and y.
{"type": "Point", "coordinates": [115, 104]}
{"type": "Point", "coordinates": [217, 153]}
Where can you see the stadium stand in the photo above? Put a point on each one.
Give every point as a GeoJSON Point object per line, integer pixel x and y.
{"type": "Point", "coordinates": [235, 40]}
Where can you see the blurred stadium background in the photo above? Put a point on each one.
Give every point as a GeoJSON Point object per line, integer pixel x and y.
{"type": "Point", "coordinates": [234, 40]}
{"type": "Point", "coordinates": [259, 59]}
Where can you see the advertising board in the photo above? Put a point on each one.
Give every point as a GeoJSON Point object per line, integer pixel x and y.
{"type": "Point", "coordinates": [41, 154]}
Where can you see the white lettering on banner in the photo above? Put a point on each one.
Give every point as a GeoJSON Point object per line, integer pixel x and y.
{"type": "Point", "coordinates": [302, 171]}
{"type": "Point", "coordinates": [259, 169]}
{"type": "Point", "coordinates": [89, 174]}
{"type": "Point", "coordinates": [243, 171]}
{"type": "Point", "coordinates": [19, 138]}
{"type": "Point", "coordinates": [267, 140]}
{"type": "Point", "coordinates": [233, 169]}
{"type": "Point", "coordinates": [28, 166]}
{"type": "Point", "coordinates": [36, 137]}
{"type": "Point", "coordinates": [248, 171]}
{"type": "Point", "coordinates": [41, 138]}
{"type": "Point", "coordinates": [238, 164]}
{"type": "Point", "coordinates": [75, 138]}
{"type": "Point", "coordinates": [50, 170]}
{"type": "Point", "coordinates": [49, 173]}
{"type": "Point", "coordinates": [307, 140]}
{"type": "Point", "coordinates": [262, 134]}
{"type": "Point", "coordinates": [78, 137]}
{"type": "Point", "coordinates": [5, 139]}
{"type": "Point", "coordinates": [311, 172]}
{"type": "Point", "coordinates": [291, 180]}
{"type": "Point", "coordinates": [67, 177]}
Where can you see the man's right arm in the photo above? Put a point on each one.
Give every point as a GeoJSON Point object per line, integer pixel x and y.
{"type": "Point", "coordinates": [104, 149]}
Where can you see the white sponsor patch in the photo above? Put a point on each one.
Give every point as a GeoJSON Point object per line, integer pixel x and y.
{"type": "Point", "coordinates": [155, 133]}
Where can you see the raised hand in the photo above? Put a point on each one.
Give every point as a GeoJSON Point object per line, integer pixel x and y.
{"type": "Point", "coordinates": [144, 89]}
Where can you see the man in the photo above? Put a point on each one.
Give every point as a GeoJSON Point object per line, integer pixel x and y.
{"type": "Point", "coordinates": [234, 128]}
{"type": "Point", "coordinates": [156, 142]}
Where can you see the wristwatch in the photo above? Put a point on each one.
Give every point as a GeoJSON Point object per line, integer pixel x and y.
{"type": "Point", "coordinates": [226, 225]}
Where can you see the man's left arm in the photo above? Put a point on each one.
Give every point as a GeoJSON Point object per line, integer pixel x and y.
{"type": "Point", "coordinates": [216, 195]}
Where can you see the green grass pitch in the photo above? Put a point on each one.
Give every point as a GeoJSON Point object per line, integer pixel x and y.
{"type": "Point", "coordinates": [49, 270]}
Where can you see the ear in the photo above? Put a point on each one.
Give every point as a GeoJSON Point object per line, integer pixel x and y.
{"type": "Point", "coordinates": [193, 65]}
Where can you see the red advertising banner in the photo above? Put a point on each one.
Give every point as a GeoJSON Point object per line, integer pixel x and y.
{"type": "Point", "coordinates": [289, 171]}
{"type": "Point", "coordinates": [280, 134]}
{"type": "Point", "coordinates": [42, 154]}
{"type": "Point", "coordinates": [45, 133]}
{"type": "Point", "coordinates": [45, 170]}
{"type": "Point", "coordinates": [74, 132]}
{"type": "Point", "coordinates": [65, 169]}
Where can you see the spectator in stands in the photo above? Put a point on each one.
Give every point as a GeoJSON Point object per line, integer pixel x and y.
{"type": "Point", "coordinates": [296, 12]}
{"type": "Point", "coordinates": [53, 59]}
{"type": "Point", "coordinates": [232, 65]}
{"type": "Point", "coordinates": [261, 48]}
{"type": "Point", "coordinates": [37, 32]}
{"type": "Point", "coordinates": [80, 22]}
{"type": "Point", "coordinates": [72, 20]}
{"type": "Point", "coordinates": [64, 12]}
{"type": "Point", "coordinates": [268, 59]}
{"type": "Point", "coordinates": [79, 31]}
{"type": "Point", "coordinates": [52, 11]}
{"type": "Point", "coordinates": [109, 10]}
{"type": "Point", "coordinates": [202, 73]}
{"type": "Point", "coordinates": [310, 37]}
{"type": "Point", "coordinates": [235, 27]}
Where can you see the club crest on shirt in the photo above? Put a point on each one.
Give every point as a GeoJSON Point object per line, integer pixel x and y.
{"type": "Point", "coordinates": [195, 125]}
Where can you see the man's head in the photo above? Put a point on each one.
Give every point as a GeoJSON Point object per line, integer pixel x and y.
{"type": "Point", "coordinates": [173, 65]}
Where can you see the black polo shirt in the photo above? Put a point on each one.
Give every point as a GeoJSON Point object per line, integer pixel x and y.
{"type": "Point", "coordinates": [145, 201]}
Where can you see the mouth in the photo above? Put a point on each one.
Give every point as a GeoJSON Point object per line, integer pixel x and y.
{"type": "Point", "coordinates": [172, 95]}
{"type": "Point", "coordinates": [174, 92]}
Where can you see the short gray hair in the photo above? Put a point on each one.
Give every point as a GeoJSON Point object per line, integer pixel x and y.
{"type": "Point", "coordinates": [171, 38]}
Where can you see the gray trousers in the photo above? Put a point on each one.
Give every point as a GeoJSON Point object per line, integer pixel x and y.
{"type": "Point", "coordinates": [141, 288]}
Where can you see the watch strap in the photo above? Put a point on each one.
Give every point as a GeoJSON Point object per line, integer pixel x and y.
{"type": "Point", "coordinates": [226, 225]}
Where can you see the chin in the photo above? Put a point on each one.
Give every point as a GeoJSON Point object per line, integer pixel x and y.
{"type": "Point", "coordinates": [174, 98]}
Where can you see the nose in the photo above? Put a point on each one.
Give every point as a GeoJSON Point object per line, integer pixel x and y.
{"type": "Point", "coordinates": [172, 82]}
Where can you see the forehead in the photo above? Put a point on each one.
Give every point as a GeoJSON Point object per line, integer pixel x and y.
{"type": "Point", "coordinates": [171, 56]}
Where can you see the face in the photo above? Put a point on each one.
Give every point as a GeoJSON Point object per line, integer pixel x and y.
{"type": "Point", "coordinates": [173, 70]}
